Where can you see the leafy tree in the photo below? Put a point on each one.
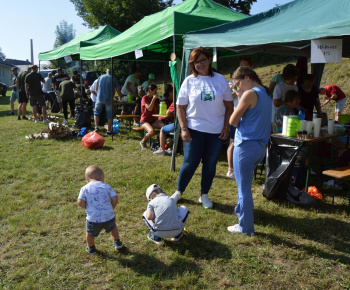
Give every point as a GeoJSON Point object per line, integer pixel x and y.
{"type": "Point", "coordinates": [242, 6]}
{"type": "Point", "coordinates": [64, 33]}
{"type": "Point", "coordinates": [2, 55]}
{"type": "Point", "coordinates": [120, 14]}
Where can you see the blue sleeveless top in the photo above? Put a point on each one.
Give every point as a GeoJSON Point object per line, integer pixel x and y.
{"type": "Point", "coordinates": [255, 123]}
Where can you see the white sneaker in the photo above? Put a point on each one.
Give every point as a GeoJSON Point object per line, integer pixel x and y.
{"type": "Point", "coordinates": [206, 202]}
{"type": "Point", "coordinates": [46, 121]}
{"type": "Point", "coordinates": [231, 174]}
{"type": "Point", "coordinates": [159, 152]}
{"type": "Point", "coordinates": [143, 145]}
{"type": "Point", "coordinates": [65, 122]}
{"type": "Point", "coordinates": [37, 122]}
{"type": "Point", "coordinates": [135, 124]}
{"type": "Point", "coordinates": [236, 230]}
{"type": "Point", "coordinates": [176, 196]}
{"type": "Point", "coordinates": [121, 123]}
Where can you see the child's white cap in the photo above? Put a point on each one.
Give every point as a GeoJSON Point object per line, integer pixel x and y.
{"type": "Point", "coordinates": [150, 189]}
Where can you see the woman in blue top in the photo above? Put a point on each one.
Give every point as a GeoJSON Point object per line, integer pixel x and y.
{"type": "Point", "coordinates": [252, 117]}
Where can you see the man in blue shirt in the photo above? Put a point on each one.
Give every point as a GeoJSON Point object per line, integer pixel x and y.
{"type": "Point", "coordinates": [104, 98]}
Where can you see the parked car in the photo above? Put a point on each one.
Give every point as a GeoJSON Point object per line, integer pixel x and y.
{"type": "Point", "coordinates": [89, 77]}
{"type": "Point", "coordinates": [45, 72]}
{"type": "Point", "coordinates": [3, 89]}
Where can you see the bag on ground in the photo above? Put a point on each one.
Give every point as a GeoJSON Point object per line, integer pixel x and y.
{"type": "Point", "coordinates": [93, 140]}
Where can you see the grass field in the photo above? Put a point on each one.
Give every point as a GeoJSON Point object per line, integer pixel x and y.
{"type": "Point", "coordinates": [42, 234]}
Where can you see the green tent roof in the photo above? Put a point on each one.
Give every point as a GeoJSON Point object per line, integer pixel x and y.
{"type": "Point", "coordinates": [83, 40]}
{"type": "Point", "coordinates": [154, 33]}
{"type": "Point", "coordinates": [286, 29]}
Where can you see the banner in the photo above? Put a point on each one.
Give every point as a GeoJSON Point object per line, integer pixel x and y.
{"type": "Point", "coordinates": [326, 50]}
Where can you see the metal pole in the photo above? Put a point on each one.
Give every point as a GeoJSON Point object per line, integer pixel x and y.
{"type": "Point", "coordinates": [112, 95]}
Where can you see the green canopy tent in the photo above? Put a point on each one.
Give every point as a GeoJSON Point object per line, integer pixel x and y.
{"type": "Point", "coordinates": [161, 33]}
{"type": "Point", "coordinates": [285, 30]}
{"type": "Point", "coordinates": [74, 46]}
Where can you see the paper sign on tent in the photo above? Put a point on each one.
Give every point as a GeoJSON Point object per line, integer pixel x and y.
{"type": "Point", "coordinates": [326, 50]}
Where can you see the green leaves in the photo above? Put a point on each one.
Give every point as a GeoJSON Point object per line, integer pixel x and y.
{"type": "Point", "coordinates": [120, 14]}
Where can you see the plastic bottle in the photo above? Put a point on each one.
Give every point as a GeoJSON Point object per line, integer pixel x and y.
{"type": "Point", "coordinates": [301, 115]}
{"type": "Point", "coordinates": [115, 126]}
{"type": "Point", "coordinates": [162, 108]}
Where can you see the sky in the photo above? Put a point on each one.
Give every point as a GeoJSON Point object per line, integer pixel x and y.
{"type": "Point", "coordinates": [42, 18]}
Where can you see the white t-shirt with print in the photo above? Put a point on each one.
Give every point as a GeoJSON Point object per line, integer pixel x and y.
{"type": "Point", "coordinates": [279, 93]}
{"type": "Point", "coordinates": [97, 196]}
{"type": "Point", "coordinates": [204, 96]}
{"type": "Point", "coordinates": [133, 86]}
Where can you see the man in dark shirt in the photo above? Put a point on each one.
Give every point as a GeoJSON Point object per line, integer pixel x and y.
{"type": "Point", "coordinates": [35, 93]}
{"type": "Point", "coordinates": [56, 80]}
{"type": "Point", "coordinates": [22, 96]}
{"type": "Point", "coordinates": [14, 93]}
{"type": "Point", "coordinates": [67, 89]}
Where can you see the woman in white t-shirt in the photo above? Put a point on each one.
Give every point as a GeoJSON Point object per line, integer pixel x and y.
{"type": "Point", "coordinates": [204, 106]}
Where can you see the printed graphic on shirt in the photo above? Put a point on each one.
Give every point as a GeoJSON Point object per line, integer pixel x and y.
{"type": "Point", "coordinates": [207, 95]}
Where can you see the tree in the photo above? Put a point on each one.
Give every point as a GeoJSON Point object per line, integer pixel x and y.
{"type": "Point", "coordinates": [120, 14]}
{"type": "Point", "coordinates": [64, 33]}
{"type": "Point", "coordinates": [2, 55]}
{"type": "Point", "coordinates": [242, 6]}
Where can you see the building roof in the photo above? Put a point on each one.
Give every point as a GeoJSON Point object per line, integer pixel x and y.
{"type": "Point", "coordinates": [15, 62]}
{"type": "Point", "coordinates": [6, 63]}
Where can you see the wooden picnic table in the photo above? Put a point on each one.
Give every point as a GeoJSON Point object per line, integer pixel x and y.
{"type": "Point", "coordinates": [129, 118]}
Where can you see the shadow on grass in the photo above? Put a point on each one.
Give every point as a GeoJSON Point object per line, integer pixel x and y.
{"type": "Point", "coordinates": [189, 248]}
{"type": "Point", "coordinates": [332, 233]}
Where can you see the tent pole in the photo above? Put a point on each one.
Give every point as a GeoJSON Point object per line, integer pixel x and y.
{"type": "Point", "coordinates": [81, 79]}
{"type": "Point", "coordinates": [112, 95]}
{"type": "Point", "coordinates": [176, 132]}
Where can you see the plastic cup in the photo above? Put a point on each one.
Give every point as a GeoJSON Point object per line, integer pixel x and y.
{"type": "Point", "coordinates": [317, 127]}
{"type": "Point", "coordinates": [284, 126]}
{"type": "Point", "coordinates": [309, 125]}
{"type": "Point", "coordinates": [302, 125]}
{"type": "Point", "coordinates": [331, 126]}
{"type": "Point", "coordinates": [314, 116]}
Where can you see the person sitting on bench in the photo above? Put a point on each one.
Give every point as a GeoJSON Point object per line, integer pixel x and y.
{"type": "Point", "coordinates": [149, 105]}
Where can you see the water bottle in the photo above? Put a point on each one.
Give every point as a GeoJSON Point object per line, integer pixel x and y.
{"type": "Point", "coordinates": [301, 115]}
{"type": "Point", "coordinates": [115, 126]}
{"type": "Point", "coordinates": [162, 108]}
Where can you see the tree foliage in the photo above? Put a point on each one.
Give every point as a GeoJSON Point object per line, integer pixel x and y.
{"type": "Point", "coordinates": [120, 14]}
{"type": "Point", "coordinates": [242, 6]}
{"type": "Point", "coordinates": [64, 33]}
{"type": "Point", "coordinates": [2, 55]}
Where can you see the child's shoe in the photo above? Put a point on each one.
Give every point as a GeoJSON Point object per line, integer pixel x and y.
{"type": "Point", "coordinates": [176, 196]}
{"type": "Point", "coordinates": [155, 239]}
{"type": "Point", "coordinates": [91, 250]}
{"type": "Point", "coordinates": [177, 238]}
{"type": "Point", "coordinates": [118, 244]}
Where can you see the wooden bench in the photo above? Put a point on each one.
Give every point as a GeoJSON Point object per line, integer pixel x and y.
{"type": "Point", "coordinates": [342, 173]}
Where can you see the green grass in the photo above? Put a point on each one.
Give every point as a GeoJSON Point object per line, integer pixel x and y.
{"type": "Point", "coordinates": [42, 234]}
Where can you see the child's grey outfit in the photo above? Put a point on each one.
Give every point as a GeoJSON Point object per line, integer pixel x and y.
{"type": "Point", "coordinates": [99, 210]}
{"type": "Point", "coordinates": [169, 220]}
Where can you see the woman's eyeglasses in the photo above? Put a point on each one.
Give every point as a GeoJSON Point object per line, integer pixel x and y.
{"type": "Point", "coordinates": [202, 61]}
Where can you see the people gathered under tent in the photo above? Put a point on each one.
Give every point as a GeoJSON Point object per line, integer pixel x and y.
{"type": "Point", "coordinates": [334, 93]}
{"type": "Point", "coordinates": [290, 107]}
{"type": "Point", "coordinates": [309, 97]}
{"type": "Point", "coordinates": [148, 122]}
{"type": "Point", "coordinates": [145, 85]}
{"type": "Point", "coordinates": [290, 76]}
